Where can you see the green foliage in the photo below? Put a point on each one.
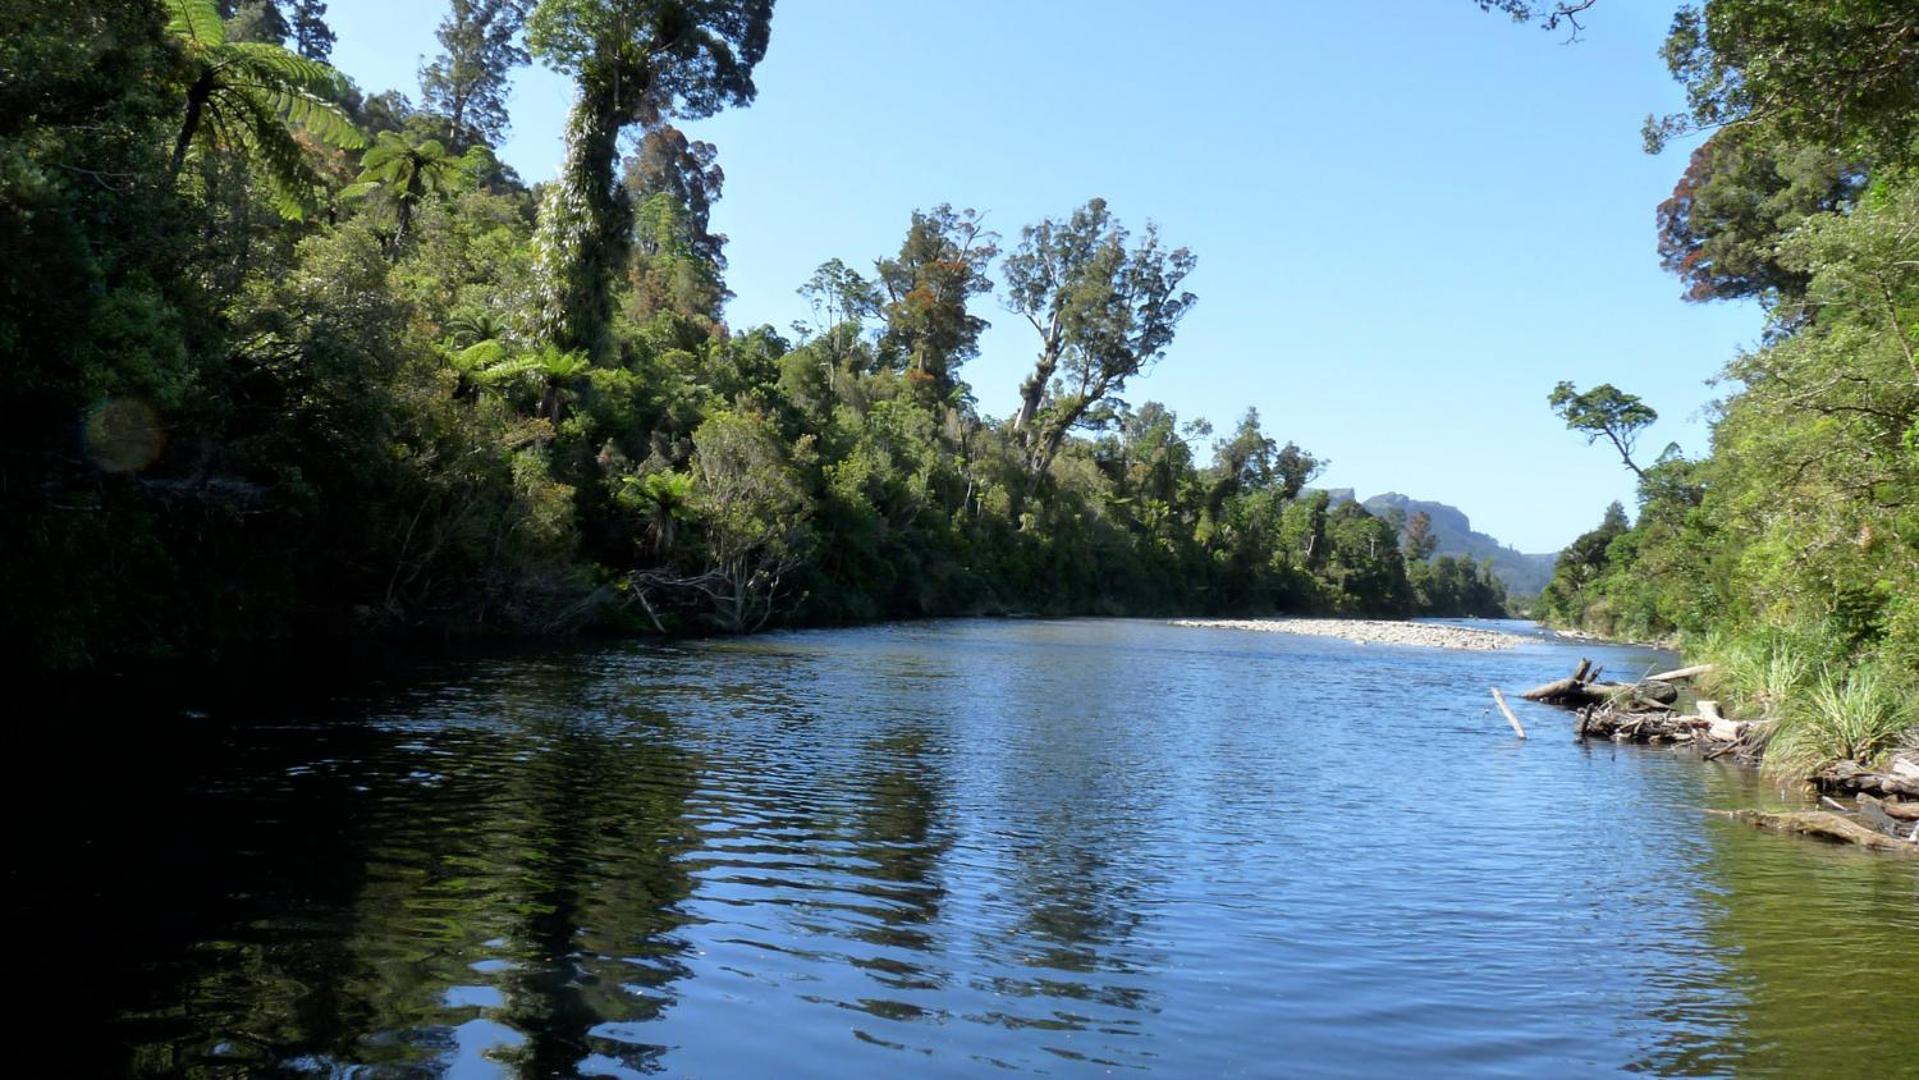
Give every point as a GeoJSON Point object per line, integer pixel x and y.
{"type": "Point", "coordinates": [635, 61]}
{"type": "Point", "coordinates": [312, 37]}
{"type": "Point", "coordinates": [941, 267]}
{"type": "Point", "coordinates": [1742, 192]}
{"type": "Point", "coordinates": [1603, 412]}
{"type": "Point", "coordinates": [1759, 672]}
{"type": "Point", "coordinates": [439, 408]}
{"type": "Point", "coordinates": [1104, 312]}
{"type": "Point", "coordinates": [1790, 554]}
{"type": "Point", "coordinates": [1841, 74]}
{"type": "Point", "coordinates": [668, 272]}
{"type": "Point", "coordinates": [467, 83]}
{"type": "Point", "coordinates": [253, 99]}
{"type": "Point", "coordinates": [407, 168]}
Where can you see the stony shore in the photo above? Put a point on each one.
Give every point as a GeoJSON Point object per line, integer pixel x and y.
{"type": "Point", "coordinates": [1371, 632]}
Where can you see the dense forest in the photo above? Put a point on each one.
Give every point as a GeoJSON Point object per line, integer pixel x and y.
{"type": "Point", "coordinates": [1790, 552]}
{"type": "Point", "coordinates": [289, 360]}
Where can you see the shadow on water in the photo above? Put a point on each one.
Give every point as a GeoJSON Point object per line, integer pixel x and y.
{"type": "Point", "coordinates": [467, 880]}
{"type": "Point", "coordinates": [1819, 947]}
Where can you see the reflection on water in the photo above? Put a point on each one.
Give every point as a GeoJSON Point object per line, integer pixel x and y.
{"type": "Point", "coordinates": [1040, 846]}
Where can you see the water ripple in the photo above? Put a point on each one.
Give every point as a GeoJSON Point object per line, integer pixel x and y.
{"type": "Point", "coordinates": [955, 847]}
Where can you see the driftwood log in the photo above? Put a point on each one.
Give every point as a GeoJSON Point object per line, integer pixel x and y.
{"type": "Point", "coordinates": [1584, 688]}
{"type": "Point", "coordinates": [1885, 811]}
{"type": "Point", "coordinates": [1855, 779]}
{"type": "Point", "coordinates": [1643, 711]}
{"type": "Point", "coordinates": [1897, 811]}
{"type": "Point", "coordinates": [1681, 674]}
{"type": "Point", "coordinates": [1823, 824]}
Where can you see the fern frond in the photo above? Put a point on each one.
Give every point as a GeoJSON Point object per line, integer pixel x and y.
{"type": "Point", "coordinates": [522, 367]}
{"type": "Point", "coordinates": [290, 181]}
{"type": "Point", "coordinates": [388, 147]}
{"type": "Point", "coordinates": [197, 22]}
{"type": "Point", "coordinates": [271, 63]}
{"type": "Point", "coordinates": [326, 121]}
{"type": "Point", "coordinates": [561, 364]}
{"type": "Point", "coordinates": [481, 357]}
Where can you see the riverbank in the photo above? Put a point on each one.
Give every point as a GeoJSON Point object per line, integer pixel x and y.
{"type": "Point", "coordinates": [1370, 632]}
{"type": "Point", "coordinates": [1827, 747]}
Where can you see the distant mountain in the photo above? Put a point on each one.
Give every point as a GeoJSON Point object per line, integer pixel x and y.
{"type": "Point", "coordinates": [1524, 575]}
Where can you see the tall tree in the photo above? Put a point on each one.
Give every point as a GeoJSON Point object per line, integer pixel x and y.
{"type": "Point", "coordinates": [678, 261]}
{"type": "Point", "coordinates": [1605, 412]}
{"type": "Point", "coordinates": [688, 172]}
{"type": "Point", "coordinates": [1420, 541]}
{"type": "Point", "coordinates": [1740, 195]}
{"type": "Point", "coordinates": [1836, 73]}
{"type": "Point", "coordinates": [247, 97]}
{"type": "Point", "coordinates": [941, 266]}
{"type": "Point", "coordinates": [668, 271]}
{"type": "Point", "coordinates": [312, 37]}
{"type": "Point", "coordinates": [1104, 308]}
{"type": "Point", "coordinates": [1248, 460]}
{"type": "Point", "coordinates": [839, 296]}
{"type": "Point", "coordinates": [254, 20]}
{"type": "Point", "coordinates": [633, 62]}
{"type": "Point", "coordinates": [467, 82]}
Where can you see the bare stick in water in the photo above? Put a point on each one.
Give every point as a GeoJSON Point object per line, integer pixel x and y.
{"type": "Point", "coordinates": [1500, 699]}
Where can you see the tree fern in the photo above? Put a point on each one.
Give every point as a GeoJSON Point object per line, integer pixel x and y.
{"type": "Point", "coordinates": [408, 167]}
{"type": "Point", "coordinates": [248, 98]}
{"type": "Point", "coordinates": [197, 21]}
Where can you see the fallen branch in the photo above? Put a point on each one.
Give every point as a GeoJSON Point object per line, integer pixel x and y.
{"type": "Point", "coordinates": [1681, 674]}
{"type": "Point", "coordinates": [1500, 700]}
{"type": "Point", "coordinates": [1898, 811]}
{"type": "Point", "coordinates": [1823, 824]}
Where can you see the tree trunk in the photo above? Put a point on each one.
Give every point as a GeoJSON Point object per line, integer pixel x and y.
{"type": "Point", "coordinates": [456, 123]}
{"type": "Point", "coordinates": [581, 239]}
{"type": "Point", "coordinates": [197, 96]}
{"type": "Point", "coordinates": [409, 198]}
{"type": "Point", "coordinates": [1033, 390]}
{"type": "Point", "coordinates": [1048, 448]}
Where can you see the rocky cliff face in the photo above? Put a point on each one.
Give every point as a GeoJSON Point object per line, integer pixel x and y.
{"type": "Point", "coordinates": [1524, 575]}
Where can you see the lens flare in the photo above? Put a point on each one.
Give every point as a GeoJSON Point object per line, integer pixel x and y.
{"type": "Point", "coordinates": [123, 435]}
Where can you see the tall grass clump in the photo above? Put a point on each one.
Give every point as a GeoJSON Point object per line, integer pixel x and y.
{"type": "Point", "coordinates": [1855, 715]}
{"type": "Point", "coordinates": [1759, 673]}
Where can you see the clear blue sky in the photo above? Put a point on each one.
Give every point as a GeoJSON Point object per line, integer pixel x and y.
{"type": "Point", "coordinates": [1411, 218]}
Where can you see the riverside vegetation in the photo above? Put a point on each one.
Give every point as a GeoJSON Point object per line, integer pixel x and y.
{"type": "Point", "coordinates": [1788, 556]}
{"type": "Point", "coordinates": [286, 359]}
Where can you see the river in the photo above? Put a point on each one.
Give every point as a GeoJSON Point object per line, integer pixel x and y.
{"type": "Point", "coordinates": [1067, 848]}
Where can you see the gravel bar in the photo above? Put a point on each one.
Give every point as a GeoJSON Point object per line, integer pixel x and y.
{"type": "Point", "coordinates": [1371, 632]}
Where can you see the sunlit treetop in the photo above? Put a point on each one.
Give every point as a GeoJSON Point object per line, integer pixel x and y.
{"type": "Point", "coordinates": [686, 58]}
{"type": "Point", "coordinates": [1842, 74]}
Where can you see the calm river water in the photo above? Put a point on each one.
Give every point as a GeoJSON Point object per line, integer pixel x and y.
{"type": "Point", "coordinates": [950, 848]}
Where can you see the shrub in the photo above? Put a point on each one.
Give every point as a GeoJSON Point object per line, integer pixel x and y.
{"type": "Point", "coordinates": [1847, 716]}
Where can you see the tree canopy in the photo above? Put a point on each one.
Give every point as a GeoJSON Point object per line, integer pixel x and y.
{"type": "Point", "coordinates": [1604, 412]}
